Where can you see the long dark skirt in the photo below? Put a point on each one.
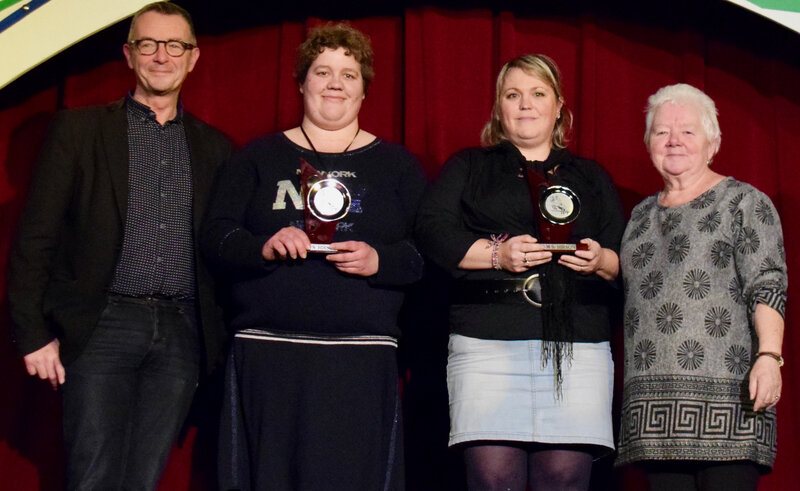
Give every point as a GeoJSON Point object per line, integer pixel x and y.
{"type": "Point", "coordinates": [311, 413]}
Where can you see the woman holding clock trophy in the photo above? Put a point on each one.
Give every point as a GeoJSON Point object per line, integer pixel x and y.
{"type": "Point", "coordinates": [530, 234]}
{"type": "Point", "coordinates": [312, 228]}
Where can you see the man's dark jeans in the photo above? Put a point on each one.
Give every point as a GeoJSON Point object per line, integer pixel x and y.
{"type": "Point", "coordinates": [128, 393]}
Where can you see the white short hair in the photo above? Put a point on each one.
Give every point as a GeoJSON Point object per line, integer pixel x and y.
{"type": "Point", "coordinates": [685, 94]}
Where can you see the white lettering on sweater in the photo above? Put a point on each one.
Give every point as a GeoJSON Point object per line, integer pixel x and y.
{"type": "Point", "coordinates": [286, 187]}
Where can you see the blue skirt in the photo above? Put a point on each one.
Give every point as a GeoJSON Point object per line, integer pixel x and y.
{"type": "Point", "coordinates": [499, 390]}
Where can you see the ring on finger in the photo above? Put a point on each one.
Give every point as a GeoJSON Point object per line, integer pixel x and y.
{"type": "Point", "coordinates": [525, 258]}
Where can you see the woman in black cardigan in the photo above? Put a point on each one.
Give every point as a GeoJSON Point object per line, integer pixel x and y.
{"type": "Point", "coordinates": [530, 234]}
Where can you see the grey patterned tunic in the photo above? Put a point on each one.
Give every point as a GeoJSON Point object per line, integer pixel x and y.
{"type": "Point", "coordinates": [693, 276]}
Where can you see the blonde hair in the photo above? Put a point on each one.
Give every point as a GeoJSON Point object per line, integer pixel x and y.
{"type": "Point", "coordinates": [542, 67]}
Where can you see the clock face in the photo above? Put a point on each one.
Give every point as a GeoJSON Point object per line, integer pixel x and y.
{"type": "Point", "coordinates": [328, 200]}
{"type": "Point", "coordinates": [559, 205]}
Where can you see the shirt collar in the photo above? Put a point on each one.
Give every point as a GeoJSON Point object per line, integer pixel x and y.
{"type": "Point", "coordinates": [143, 112]}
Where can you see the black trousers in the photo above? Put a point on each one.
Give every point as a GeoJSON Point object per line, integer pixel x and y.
{"type": "Point", "coordinates": [128, 393]}
{"type": "Point", "coordinates": [702, 476]}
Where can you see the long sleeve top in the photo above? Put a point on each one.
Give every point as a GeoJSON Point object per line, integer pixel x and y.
{"type": "Point", "coordinates": [482, 191]}
{"type": "Point", "coordinates": [258, 192]}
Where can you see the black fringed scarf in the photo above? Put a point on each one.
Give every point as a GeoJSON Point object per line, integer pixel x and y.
{"type": "Point", "coordinates": [557, 282]}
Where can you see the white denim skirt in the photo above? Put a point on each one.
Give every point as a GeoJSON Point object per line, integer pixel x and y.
{"type": "Point", "coordinates": [499, 390]}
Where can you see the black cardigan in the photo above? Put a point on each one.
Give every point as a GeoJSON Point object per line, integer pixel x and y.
{"type": "Point", "coordinates": [481, 192]}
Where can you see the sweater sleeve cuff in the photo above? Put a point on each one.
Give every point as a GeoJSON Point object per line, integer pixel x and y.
{"type": "Point", "coordinates": [240, 248]}
{"type": "Point", "coordinates": [399, 264]}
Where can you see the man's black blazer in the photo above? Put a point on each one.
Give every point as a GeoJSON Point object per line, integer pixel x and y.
{"type": "Point", "coordinates": [71, 230]}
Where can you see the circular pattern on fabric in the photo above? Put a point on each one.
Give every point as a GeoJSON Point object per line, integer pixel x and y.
{"type": "Point", "coordinates": [691, 354]}
{"type": "Point", "coordinates": [671, 222]}
{"type": "Point", "coordinates": [721, 254]}
{"type": "Point", "coordinates": [669, 318]}
{"type": "Point", "coordinates": [709, 223]}
{"type": "Point", "coordinates": [704, 200]}
{"type": "Point", "coordinates": [696, 284]}
{"type": "Point", "coordinates": [640, 229]}
{"type": "Point", "coordinates": [736, 291]}
{"type": "Point", "coordinates": [764, 213]}
{"type": "Point", "coordinates": [737, 359]}
{"type": "Point", "coordinates": [642, 255]}
{"type": "Point", "coordinates": [717, 322]}
{"type": "Point", "coordinates": [747, 241]}
{"type": "Point", "coordinates": [651, 285]}
{"type": "Point", "coordinates": [640, 212]}
{"type": "Point", "coordinates": [644, 355]}
{"type": "Point", "coordinates": [678, 248]}
{"type": "Point", "coordinates": [733, 204]}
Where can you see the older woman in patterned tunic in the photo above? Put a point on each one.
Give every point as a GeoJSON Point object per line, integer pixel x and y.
{"type": "Point", "coordinates": [705, 288]}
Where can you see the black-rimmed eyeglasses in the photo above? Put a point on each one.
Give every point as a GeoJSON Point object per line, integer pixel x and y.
{"type": "Point", "coordinates": [149, 46]}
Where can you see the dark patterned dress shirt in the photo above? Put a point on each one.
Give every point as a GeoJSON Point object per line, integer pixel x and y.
{"type": "Point", "coordinates": [157, 257]}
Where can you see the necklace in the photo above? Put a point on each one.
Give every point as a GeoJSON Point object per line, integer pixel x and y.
{"type": "Point", "coordinates": [319, 159]}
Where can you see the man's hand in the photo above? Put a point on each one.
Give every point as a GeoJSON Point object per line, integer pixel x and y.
{"type": "Point", "coordinates": [46, 363]}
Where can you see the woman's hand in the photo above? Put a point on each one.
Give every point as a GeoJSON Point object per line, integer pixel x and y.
{"type": "Point", "coordinates": [765, 383]}
{"type": "Point", "coordinates": [355, 257]}
{"type": "Point", "coordinates": [586, 262]}
{"type": "Point", "coordinates": [520, 253]}
{"type": "Point", "coordinates": [288, 242]}
{"type": "Point", "coordinates": [765, 376]}
{"type": "Point", "coordinates": [596, 259]}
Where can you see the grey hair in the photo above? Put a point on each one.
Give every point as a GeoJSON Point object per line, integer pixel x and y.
{"type": "Point", "coordinates": [688, 95]}
{"type": "Point", "coordinates": [163, 8]}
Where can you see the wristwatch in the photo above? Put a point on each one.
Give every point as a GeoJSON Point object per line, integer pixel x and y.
{"type": "Point", "coordinates": [777, 357]}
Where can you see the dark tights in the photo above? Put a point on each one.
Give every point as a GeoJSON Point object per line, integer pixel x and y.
{"type": "Point", "coordinates": [702, 476]}
{"type": "Point", "coordinates": [498, 467]}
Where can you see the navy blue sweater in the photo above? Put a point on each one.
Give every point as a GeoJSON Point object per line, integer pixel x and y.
{"type": "Point", "coordinates": [258, 192]}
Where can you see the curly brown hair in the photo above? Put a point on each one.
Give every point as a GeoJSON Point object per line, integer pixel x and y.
{"type": "Point", "coordinates": [334, 36]}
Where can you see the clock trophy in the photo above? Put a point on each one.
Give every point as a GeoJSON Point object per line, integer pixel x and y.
{"type": "Point", "coordinates": [326, 201]}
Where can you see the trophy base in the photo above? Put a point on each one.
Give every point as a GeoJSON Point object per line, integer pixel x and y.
{"type": "Point", "coordinates": [322, 248]}
{"type": "Point", "coordinates": [565, 247]}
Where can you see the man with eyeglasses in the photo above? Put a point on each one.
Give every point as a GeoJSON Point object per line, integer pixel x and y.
{"type": "Point", "coordinates": [109, 296]}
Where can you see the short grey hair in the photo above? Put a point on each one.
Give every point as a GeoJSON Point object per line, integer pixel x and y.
{"type": "Point", "coordinates": [688, 95]}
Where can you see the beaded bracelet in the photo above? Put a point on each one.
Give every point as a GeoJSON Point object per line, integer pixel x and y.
{"type": "Point", "coordinates": [496, 241]}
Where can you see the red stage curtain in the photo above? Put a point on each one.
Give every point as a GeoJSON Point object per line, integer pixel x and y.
{"type": "Point", "coordinates": [433, 92]}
